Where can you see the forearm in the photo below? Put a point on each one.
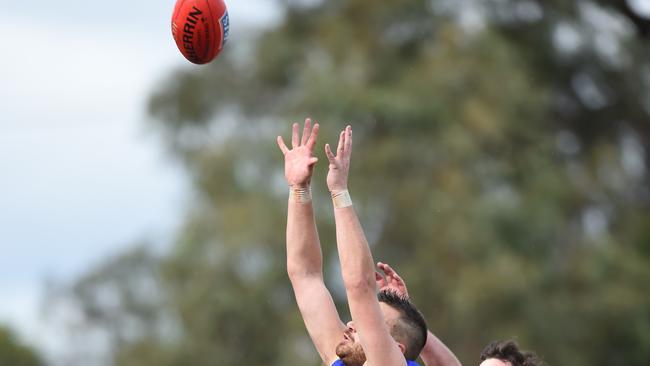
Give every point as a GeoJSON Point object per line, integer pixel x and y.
{"type": "Point", "coordinates": [357, 265]}
{"type": "Point", "coordinates": [436, 353]}
{"type": "Point", "coordinates": [304, 257]}
{"type": "Point", "coordinates": [358, 272]}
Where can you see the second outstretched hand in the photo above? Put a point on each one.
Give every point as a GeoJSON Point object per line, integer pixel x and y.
{"type": "Point", "coordinates": [391, 281]}
{"type": "Point", "coordinates": [339, 164]}
{"type": "Point", "coordinates": [299, 161]}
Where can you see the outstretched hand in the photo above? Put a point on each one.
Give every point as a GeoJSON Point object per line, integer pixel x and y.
{"type": "Point", "coordinates": [337, 177]}
{"type": "Point", "coordinates": [299, 161]}
{"type": "Point", "coordinates": [392, 281]}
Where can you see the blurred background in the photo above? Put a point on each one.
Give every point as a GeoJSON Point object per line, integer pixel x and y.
{"type": "Point", "coordinates": [502, 155]}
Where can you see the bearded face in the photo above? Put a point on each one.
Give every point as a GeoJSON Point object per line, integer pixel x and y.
{"type": "Point", "coordinates": [350, 351]}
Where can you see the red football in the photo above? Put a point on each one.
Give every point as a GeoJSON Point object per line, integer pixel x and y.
{"type": "Point", "coordinates": [200, 28]}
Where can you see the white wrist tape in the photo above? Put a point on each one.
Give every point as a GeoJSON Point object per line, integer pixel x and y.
{"type": "Point", "coordinates": [341, 199]}
{"type": "Point", "coordinates": [300, 195]}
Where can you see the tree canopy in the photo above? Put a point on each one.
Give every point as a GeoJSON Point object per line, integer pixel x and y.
{"type": "Point", "coordinates": [13, 352]}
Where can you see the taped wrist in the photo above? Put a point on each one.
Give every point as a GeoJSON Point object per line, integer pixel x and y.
{"type": "Point", "coordinates": [341, 199]}
{"type": "Point", "coordinates": [300, 194]}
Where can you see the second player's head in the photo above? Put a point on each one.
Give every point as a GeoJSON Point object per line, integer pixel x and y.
{"type": "Point", "coordinates": [507, 353]}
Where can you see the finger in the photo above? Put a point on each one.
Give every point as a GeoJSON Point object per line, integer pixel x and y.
{"type": "Point", "coordinates": [282, 145]}
{"type": "Point", "coordinates": [382, 269]}
{"type": "Point", "coordinates": [330, 155]}
{"type": "Point", "coordinates": [312, 161]}
{"type": "Point", "coordinates": [395, 274]}
{"type": "Point", "coordinates": [348, 139]}
{"type": "Point", "coordinates": [380, 265]}
{"type": "Point", "coordinates": [395, 280]}
{"type": "Point", "coordinates": [314, 135]}
{"type": "Point", "coordinates": [379, 279]}
{"type": "Point", "coordinates": [339, 150]}
{"type": "Point", "coordinates": [306, 131]}
{"type": "Point", "coordinates": [294, 136]}
{"type": "Point", "coordinates": [387, 269]}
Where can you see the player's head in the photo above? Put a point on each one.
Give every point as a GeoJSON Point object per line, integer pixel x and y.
{"type": "Point", "coordinates": [405, 323]}
{"type": "Point", "coordinates": [507, 353]}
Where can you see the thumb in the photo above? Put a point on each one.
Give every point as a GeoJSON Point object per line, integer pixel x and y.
{"type": "Point", "coordinates": [381, 282]}
{"type": "Point", "coordinates": [313, 161]}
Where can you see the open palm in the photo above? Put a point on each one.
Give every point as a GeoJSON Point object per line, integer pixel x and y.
{"type": "Point", "coordinates": [337, 177]}
{"type": "Point", "coordinates": [299, 161]}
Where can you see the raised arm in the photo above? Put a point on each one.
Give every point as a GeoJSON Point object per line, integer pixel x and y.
{"type": "Point", "coordinates": [304, 258]}
{"type": "Point", "coordinates": [434, 353]}
{"type": "Point", "coordinates": [357, 265]}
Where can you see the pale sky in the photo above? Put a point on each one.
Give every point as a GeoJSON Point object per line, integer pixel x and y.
{"type": "Point", "coordinates": [82, 175]}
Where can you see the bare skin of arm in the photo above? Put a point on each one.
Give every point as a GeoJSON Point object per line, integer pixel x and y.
{"type": "Point", "coordinates": [434, 353]}
{"type": "Point", "coordinates": [358, 268]}
{"type": "Point", "coordinates": [304, 257]}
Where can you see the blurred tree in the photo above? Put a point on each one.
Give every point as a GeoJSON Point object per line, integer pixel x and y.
{"type": "Point", "coordinates": [501, 163]}
{"type": "Point", "coordinates": [14, 353]}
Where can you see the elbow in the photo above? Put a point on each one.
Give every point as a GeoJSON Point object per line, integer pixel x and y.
{"type": "Point", "coordinates": [359, 285]}
{"type": "Point", "coordinates": [298, 273]}
{"type": "Point", "coordinates": [292, 270]}
{"type": "Point", "coordinates": [295, 273]}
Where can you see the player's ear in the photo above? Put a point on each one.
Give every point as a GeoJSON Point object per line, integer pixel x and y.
{"type": "Point", "coordinates": [402, 347]}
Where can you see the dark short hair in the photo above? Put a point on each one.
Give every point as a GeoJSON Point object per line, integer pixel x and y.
{"type": "Point", "coordinates": [410, 329]}
{"type": "Point", "coordinates": [508, 351]}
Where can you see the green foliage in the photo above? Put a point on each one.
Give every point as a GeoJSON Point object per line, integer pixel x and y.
{"type": "Point", "coordinates": [14, 353]}
{"type": "Point", "coordinates": [504, 175]}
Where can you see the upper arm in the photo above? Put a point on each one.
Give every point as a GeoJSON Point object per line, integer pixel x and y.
{"type": "Point", "coordinates": [320, 316]}
{"type": "Point", "coordinates": [378, 345]}
{"type": "Point", "coordinates": [436, 353]}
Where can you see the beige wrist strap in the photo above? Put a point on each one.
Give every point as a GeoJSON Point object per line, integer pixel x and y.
{"type": "Point", "coordinates": [300, 195]}
{"type": "Point", "coordinates": [341, 199]}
